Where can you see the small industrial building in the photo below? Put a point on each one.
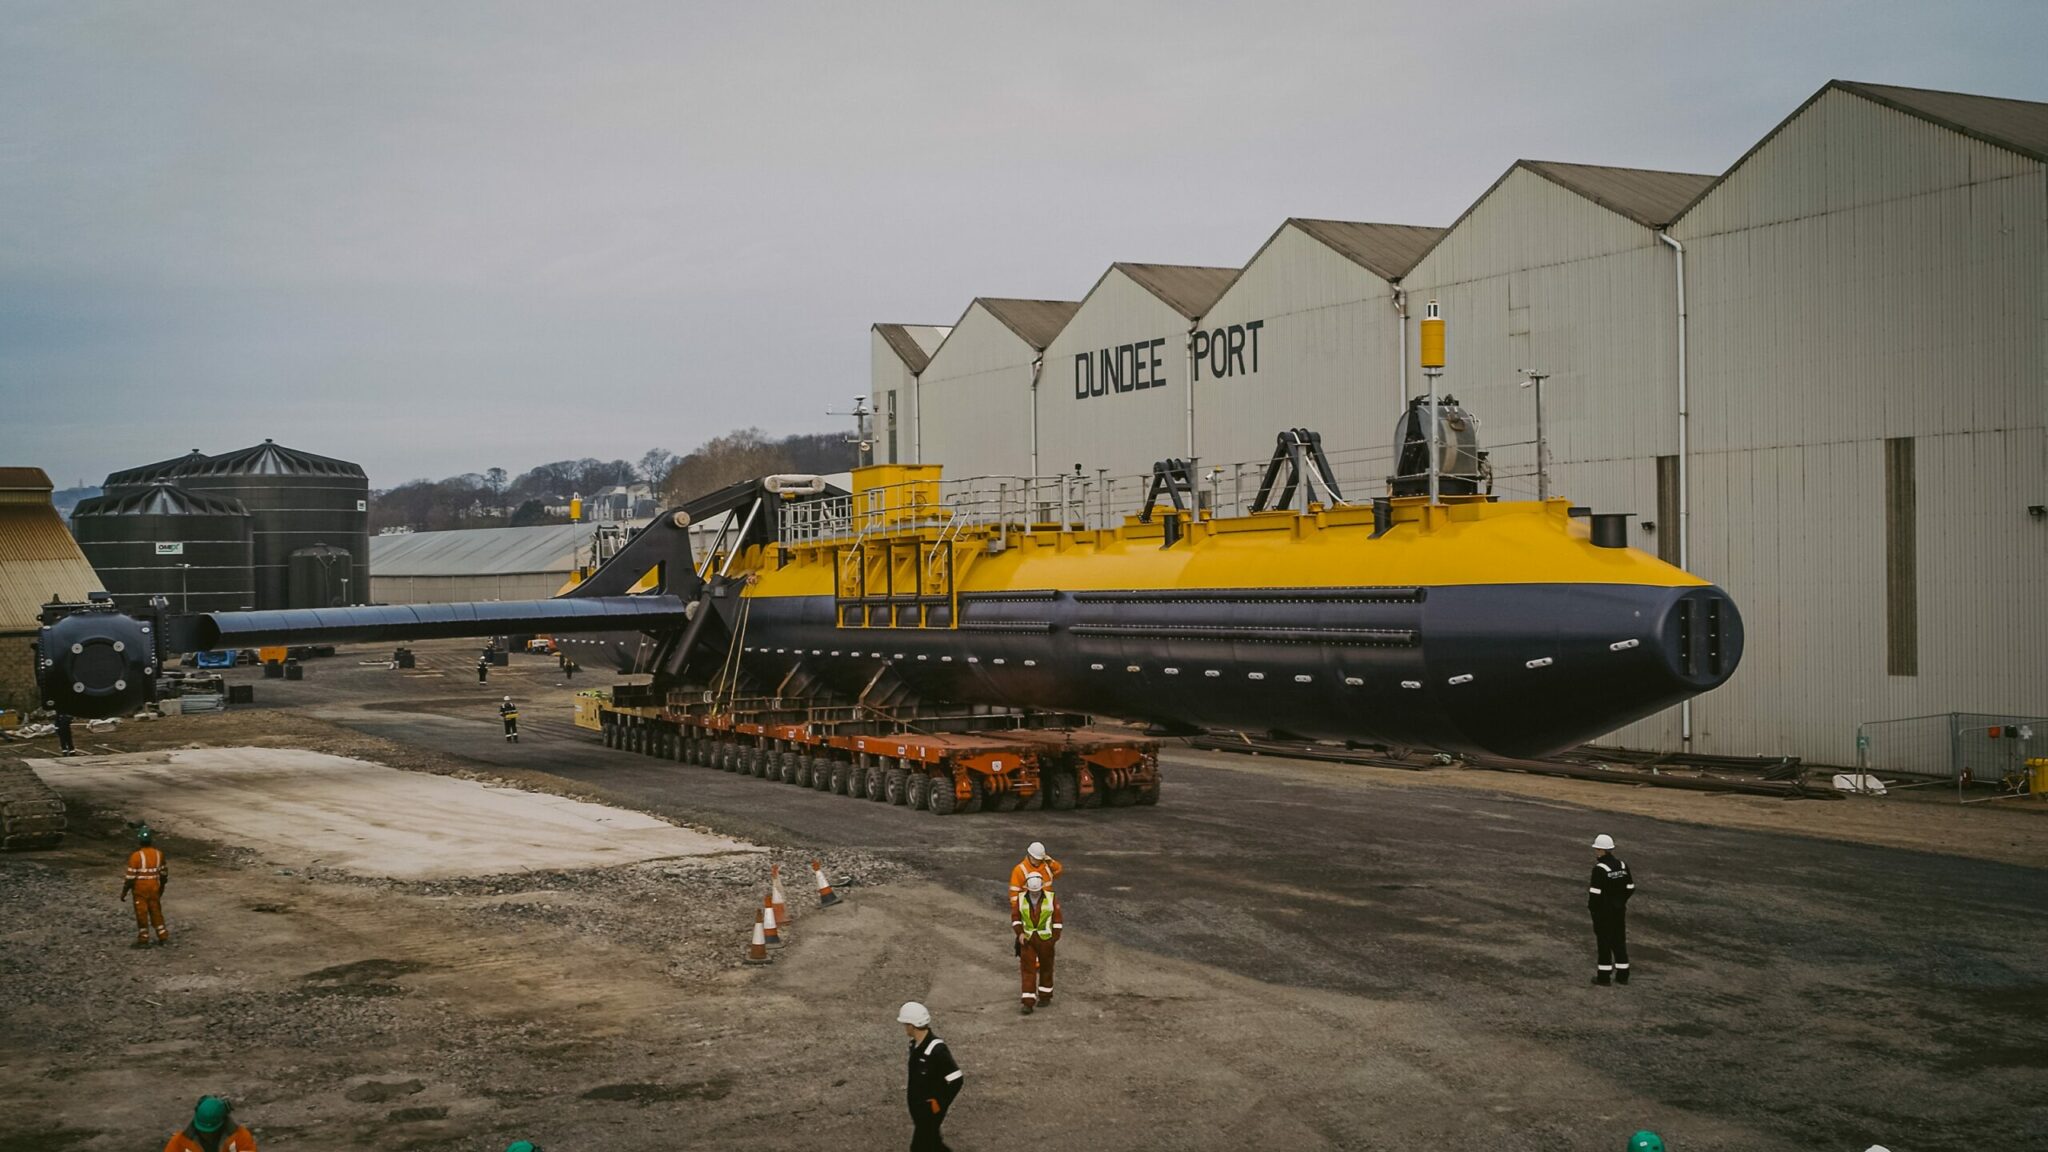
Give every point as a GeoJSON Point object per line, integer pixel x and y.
{"type": "Point", "coordinates": [1818, 378]}
{"type": "Point", "coordinates": [39, 562]}
{"type": "Point", "coordinates": [898, 353]}
{"type": "Point", "coordinates": [478, 563]}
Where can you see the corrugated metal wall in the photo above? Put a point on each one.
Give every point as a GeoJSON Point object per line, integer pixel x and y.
{"type": "Point", "coordinates": [447, 589]}
{"type": "Point", "coordinates": [974, 399]}
{"type": "Point", "coordinates": [1126, 431]}
{"type": "Point", "coordinates": [1327, 357]}
{"type": "Point", "coordinates": [1866, 276]}
{"type": "Point", "coordinates": [892, 394]}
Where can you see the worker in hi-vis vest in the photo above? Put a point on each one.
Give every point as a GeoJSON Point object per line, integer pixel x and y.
{"type": "Point", "coordinates": [1035, 918]}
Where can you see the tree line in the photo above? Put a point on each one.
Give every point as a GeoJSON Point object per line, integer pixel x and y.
{"type": "Point", "coordinates": [495, 498]}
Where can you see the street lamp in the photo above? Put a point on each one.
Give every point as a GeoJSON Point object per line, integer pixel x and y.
{"type": "Point", "coordinates": [1535, 379]}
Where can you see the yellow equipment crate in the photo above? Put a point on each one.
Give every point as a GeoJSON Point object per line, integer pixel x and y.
{"type": "Point", "coordinates": [588, 702]}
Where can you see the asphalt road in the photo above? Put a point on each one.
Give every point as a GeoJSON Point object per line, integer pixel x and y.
{"type": "Point", "coordinates": [1833, 994]}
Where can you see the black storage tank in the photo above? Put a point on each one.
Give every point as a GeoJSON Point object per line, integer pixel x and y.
{"type": "Point", "coordinates": [158, 539]}
{"type": "Point", "coordinates": [295, 500]}
{"type": "Point", "coordinates": [315, 579]}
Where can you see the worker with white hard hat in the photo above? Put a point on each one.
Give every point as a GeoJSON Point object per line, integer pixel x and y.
{"type": "Point", "coordinates": [1035, 917]}
{"type": "Point", "coordinates": [1607, 893]}
{"type": "Point", "coordinates": [509, 713]}
{"type": "Point", "coordinates": [1035, 861]}
{"type": "Point", "coordinates": [933, 1081]}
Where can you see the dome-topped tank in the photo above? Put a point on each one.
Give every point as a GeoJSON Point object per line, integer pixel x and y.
{"type": "Point", "coordinates": [296, 500]}
{"type": "Point", "coordinates": [139, 479]}
{"type": "Point", "coordinates": [158, 539]}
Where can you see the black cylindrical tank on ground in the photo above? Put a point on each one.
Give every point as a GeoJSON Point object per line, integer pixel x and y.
{"type": "Point", "coordinates": [158, 539]}
{"type": "Point", "coordinates": [319, 577]}
{"type": "Point", "coordinates": [296, 500]}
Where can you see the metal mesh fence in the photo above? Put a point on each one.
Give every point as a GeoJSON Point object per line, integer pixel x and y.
{"type": "Point", "coordinates": [1984, 747]}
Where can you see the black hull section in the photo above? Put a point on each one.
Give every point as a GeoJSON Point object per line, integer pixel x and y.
{"type": "Point", "coordinates": [1501, 669]}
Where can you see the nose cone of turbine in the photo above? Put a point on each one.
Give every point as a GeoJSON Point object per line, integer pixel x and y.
{"type": "Point", "coordinates": [1528, 670]}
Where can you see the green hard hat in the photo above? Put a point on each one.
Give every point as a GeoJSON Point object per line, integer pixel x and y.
{"type": "Point", "coordinates": [142, 836]}
{"type": "Point", "coordinates": [1646, 1141]}
{"type": "Point", "coordinates": [210, 1114]}
{"type": "Point", "coordinates": [522, 1146]}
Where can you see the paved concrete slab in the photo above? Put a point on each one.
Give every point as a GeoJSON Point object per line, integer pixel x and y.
{"type": "Point", "coordinates": [304, 809]}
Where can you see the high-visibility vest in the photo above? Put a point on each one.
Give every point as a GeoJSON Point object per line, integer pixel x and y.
{"type": "Point", "coordinates": [145, 864]}
{"type": "Point", "coordinates": [1042, 928]}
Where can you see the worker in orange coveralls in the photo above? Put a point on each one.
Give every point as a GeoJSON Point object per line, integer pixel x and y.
{"type": "Point", "coordinates": [1035, 918]}
{"type": "Point", "coordinates": [148, 876]}
{"type": "Point", "coordinates": [1035, 860]}
{"type": "Point", "coordinates": [213, 1129]}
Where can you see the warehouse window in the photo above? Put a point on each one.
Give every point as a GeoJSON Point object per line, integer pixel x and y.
{"type": "Point", "coordinates": [1667, 509]}
{"type": "Point", "coordinates": [1901, 554]}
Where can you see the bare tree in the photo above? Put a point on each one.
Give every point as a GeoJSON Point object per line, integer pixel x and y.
{"type": "Point", "coordinates": [655, 465]}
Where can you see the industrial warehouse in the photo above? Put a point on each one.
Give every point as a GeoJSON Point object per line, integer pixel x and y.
{"type": "Point", "coordinates": [1522, 654]}
{"type": "Point", "coordinates": [1739, 361]}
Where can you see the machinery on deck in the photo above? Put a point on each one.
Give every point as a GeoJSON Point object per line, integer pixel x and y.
{"type": "Point", "coordinates": [944, 644]}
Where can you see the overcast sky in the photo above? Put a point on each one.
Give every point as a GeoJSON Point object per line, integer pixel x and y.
{"type": "Point", "coordinates": [439, 237]}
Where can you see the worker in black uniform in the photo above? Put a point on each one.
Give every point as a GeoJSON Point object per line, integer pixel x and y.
{"type": "Point", "coordinates": [1607, 893]}
{"type": "Point", "coordinates": [64, 745]}
{"type": "Point", "coordinates": [934, 1079]}
{"type": "Point", "coordinates": [483, 668]}
{"type": "Point", "coordinates": [509, 713]}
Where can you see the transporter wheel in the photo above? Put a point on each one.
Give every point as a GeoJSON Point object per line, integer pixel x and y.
{"type": "Point", "coordinates": [979, 797]}
{"type": "Point", "coordinates": [940, 798]}
{"type": "Point", "coordinates": [876, 781]}
{"type": "Point", "coordinates": [1035, 801]}
{"type": "Point", "coordinates": [759, 759]}
{"type": "Point", "coordinates": [697, 755]}
{"type": "Point", "coordinates": [856, 777]}
{"type": "Point", "coordinates": [917, 789]}
{"type": "Point", "coordinates": [779, 766]}
{"type": "Point", "coordinates": [728, 756]}
{"type": "Point", "coordinates": [802, 770]}
{"type": "Point", "coordinates": [841, 779]}
{"type": "Point", "coordinates": [1148, 794]}
{"type": "Point", "coordinates": [1005, 801]}
{"type": "Point", "coordinates": [1060, 788]}
{"type": "Point", "coordinates": [896, 787]}
{"type": "Point", "coordinates": [611, 735]}
{"type": "Point", "coordinates": [679, 746]}
{"type": "Point", "coordinates": [665, 744]}
{"type": "Point", "coordinates": [821, 772]}
{"type": "Point", "coordinates": [1122, 797]}
{"type": "Point", "coordinates": [1091, 799]}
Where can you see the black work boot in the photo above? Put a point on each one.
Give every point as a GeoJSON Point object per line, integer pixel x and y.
{"type": "Point", "coordinates": [1621, 975]}
{"type": "Point", "coordinates": [1026, 1010]}
{"type": "Point", "coordinates": [1603, 978]}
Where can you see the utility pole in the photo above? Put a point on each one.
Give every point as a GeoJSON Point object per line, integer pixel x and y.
{"type": "Point", "coordinates": [1535, 379]}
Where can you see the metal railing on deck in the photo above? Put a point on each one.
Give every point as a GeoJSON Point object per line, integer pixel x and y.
{"type": "Point", "coordinates": [1067, 502]}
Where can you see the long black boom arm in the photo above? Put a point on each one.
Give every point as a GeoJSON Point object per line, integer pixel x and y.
{"type": "Point", "coordinates": [566, 614]}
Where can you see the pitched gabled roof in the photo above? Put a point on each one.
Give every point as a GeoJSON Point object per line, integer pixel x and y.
{"type": "Point", "coordinates": [1387, 251]}
{"type": "Point", "coordinates": [1188, 289]}
{"type": "Point", "coordinates": [1645, 195]}
{"type": "Point", "coordinates": [2016, 125]}
{"type": "Point", "coordinates": [905, 345]}
{"type": "Point", "coordinates": [1035, 322]}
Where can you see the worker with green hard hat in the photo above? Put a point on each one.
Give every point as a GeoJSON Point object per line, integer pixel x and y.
{"type": "Point", "coordinates": [523, 1146]}
{"type": "Point", "coordinates": [213, 1129]}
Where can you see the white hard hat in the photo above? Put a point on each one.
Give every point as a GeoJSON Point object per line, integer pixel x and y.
{"type": "Point", "coordinates": [1877, 1148]}
{"type": "Point", "coordinates": [1603, 842]}
{"type": "Point", "coordinates": [508, 699]}
{"type": "Point", "coordinates": [1034, 881]}
{"type": "Point", "coordinates": [1036, 851]}
{"type": "Point", "coordinates": [914, 1014]}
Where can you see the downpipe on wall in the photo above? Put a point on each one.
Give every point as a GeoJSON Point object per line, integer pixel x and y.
{"type": "Point", "coordinates": [1684, 499]}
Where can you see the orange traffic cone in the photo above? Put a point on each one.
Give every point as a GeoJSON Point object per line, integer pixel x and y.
{"type": "Point", "coordinates": [757, 952]}
{"type": "Point", "coordinates": [826, 897]}
{"type": "Point", "coordinates": [768, 928]}
{"type": "Point", "coordinates": [775, 894]}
